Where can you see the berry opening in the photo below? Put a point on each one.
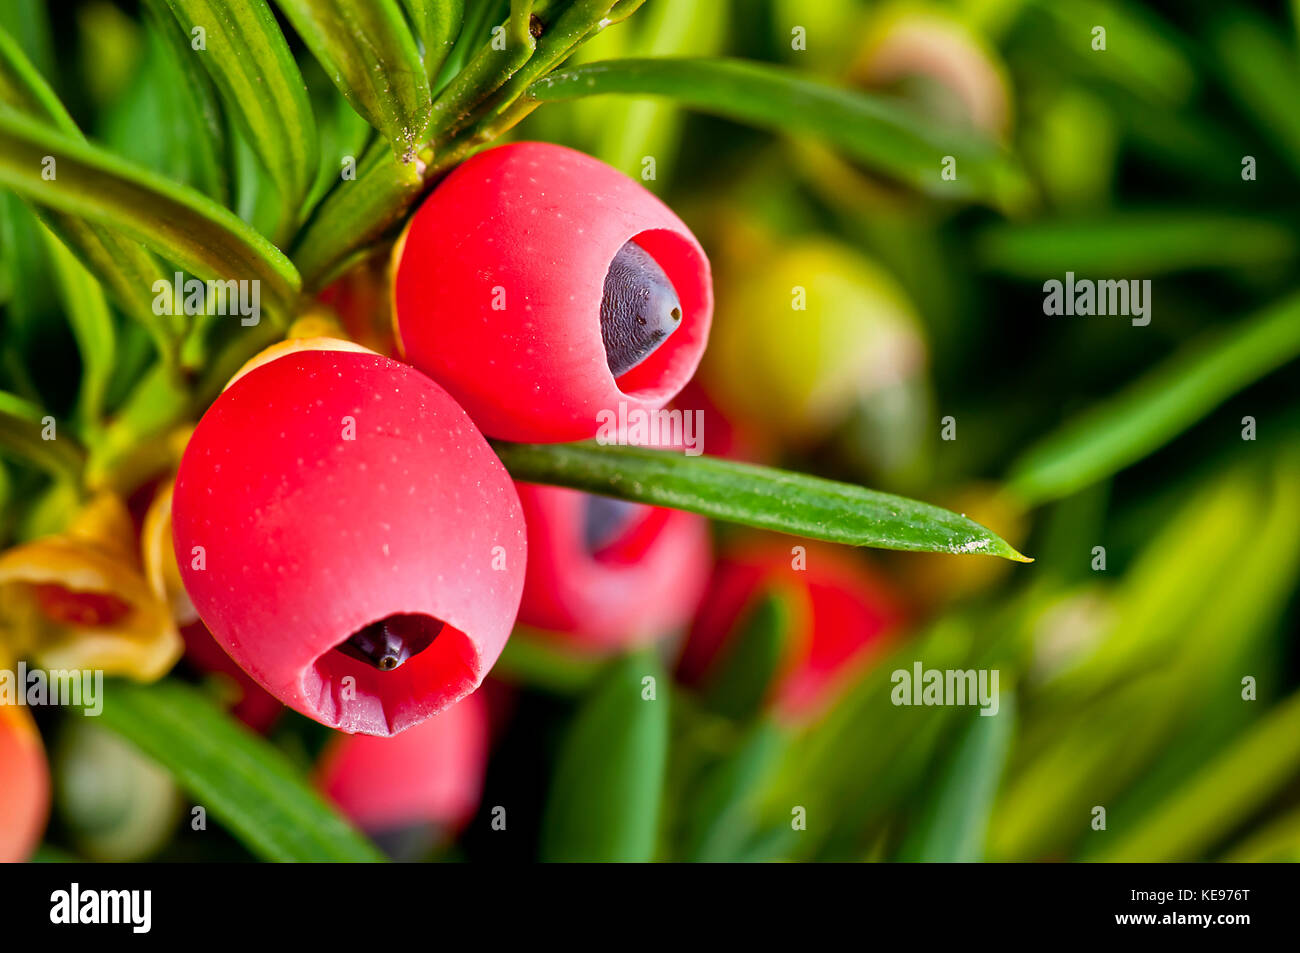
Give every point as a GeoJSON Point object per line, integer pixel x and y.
{"type": "Point", "coordinates": [391, 642]}
{"type": "Point", "coordinates": [353, 692]}
{"type": "Point", "coordinates": [618, 532]}
{"type": "Point", "coordinates": [605, 520]}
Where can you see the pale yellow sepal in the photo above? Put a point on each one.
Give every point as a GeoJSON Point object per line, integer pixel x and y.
{"type": "Point", "coordinates": [95, 558]}
{"type": "Point", "coordinates": [317, 322]}
{"type": "Point", "coordinates": [293, 346]}
{"type": "Point", "coordinates": [160, 566]}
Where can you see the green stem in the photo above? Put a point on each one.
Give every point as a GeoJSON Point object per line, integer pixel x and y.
{"type": "Point", "coordinates": [486, 72]}
{"type": "Point", "coordinates": [484, 101]}
{"type": "Point", "coordinates": [355, 214]}
{"type": "Point", "coordinates": [438, 22]}
{"type": "Point", "coordinates": [479, 15]}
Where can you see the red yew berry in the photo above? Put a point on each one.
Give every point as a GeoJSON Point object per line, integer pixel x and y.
{"type": "Point", "coordinates": [24, 784]}
{"type": "Point", "coordinates": [542, 287]}
{"type": "Point", "coordinates": [842, 614]}
{"type": "Point", "coordinates": [427, 778]}
{"type": "Point", "coordinates": [604, 573]}
{"type": "Point", "coordinates": [349, 538]}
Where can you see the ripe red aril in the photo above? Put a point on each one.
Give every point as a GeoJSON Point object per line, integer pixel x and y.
{"type": "Point", "coordinates": [24, 784]}
{"type": "Point", "coordinates": [326, 492]}
{"type": "Point", "coordinates": [541, 287]}
{"type": "Point", "coordinates": [842, 614]}
{"type": "Point", "coordinates": [604, 573]}
{"type": "Point", "coordinates": [409, 790]}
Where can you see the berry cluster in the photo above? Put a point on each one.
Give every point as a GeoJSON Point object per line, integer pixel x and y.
{"type": "Point", "coordinates": [342, 525]}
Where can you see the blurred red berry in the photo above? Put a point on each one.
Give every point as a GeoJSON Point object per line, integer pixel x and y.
{"type": "Point", "coordinates": [843, 614]}
{"type": "Point", "coordinates": [605, 573]}
{"type": "Point", "coordinates": [349, 538]}
{"type": "Point", "coordinates": [533, 275]}
{"type": "Point", "coordinates": [430, 775]}
{"type": "Point", "coordinates": [24, 785]}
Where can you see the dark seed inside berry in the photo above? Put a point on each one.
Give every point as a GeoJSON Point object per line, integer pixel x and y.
{"type": "Point", "coordinates": [638, 310]}
{"type": "Point", "coordinates": [390, 642]}
{"type": "Point", "coordinates": [604, 520]}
